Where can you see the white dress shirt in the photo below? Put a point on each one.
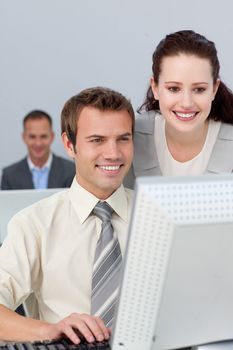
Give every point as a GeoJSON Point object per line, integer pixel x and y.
{"type": "Point", "coordinates": [196, 166]}
{"type": "Point", "coordinates": [49, 250]}
{"type": "Point", "coordinates": [40, 176]}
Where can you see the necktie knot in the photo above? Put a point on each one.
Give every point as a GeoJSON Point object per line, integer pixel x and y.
{"type": "Point", "coordinates": [103, 211]}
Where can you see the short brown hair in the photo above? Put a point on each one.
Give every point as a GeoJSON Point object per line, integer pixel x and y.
{"type": "Point", "coordinates": [37, 114]}
{"type": "Point", "coordinates": [98, 97]}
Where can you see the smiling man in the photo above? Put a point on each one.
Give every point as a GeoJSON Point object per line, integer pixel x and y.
{"type": "Point", "coordinates": [72, 243]}
{"type": "Point", "coordinates": [41, 168]}
{"type": "Point", "coordinates": [102, 152]}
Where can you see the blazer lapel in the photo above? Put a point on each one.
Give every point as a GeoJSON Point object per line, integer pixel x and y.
{"type": "Point", "coordinates": [25, 175]}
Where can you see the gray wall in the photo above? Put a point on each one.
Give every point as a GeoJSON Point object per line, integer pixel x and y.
{"type": "Point", "coordinates": [51, 49]}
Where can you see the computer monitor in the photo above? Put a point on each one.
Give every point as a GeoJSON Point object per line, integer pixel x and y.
{"type": "Point", "coordinates": [177, 285]}
{"type": "Point", "coordinates": [12, 201]}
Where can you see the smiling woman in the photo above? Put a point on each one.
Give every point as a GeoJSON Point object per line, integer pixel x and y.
{"type": "Point", "coordinates": [186, 124]}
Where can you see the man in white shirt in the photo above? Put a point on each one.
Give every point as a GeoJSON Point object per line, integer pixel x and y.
{"type": "Point", "coordinates": [41, 168]}
{"type": "Point", "coordinates": [50, 247]}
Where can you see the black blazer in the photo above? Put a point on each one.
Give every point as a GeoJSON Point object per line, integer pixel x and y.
{"type": "Point", "coordinates": [18, 175]}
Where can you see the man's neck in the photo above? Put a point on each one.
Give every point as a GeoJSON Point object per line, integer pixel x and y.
{"type": "Point", "coordinates": [39, 162]}
{"type": "Point", "coordinates": [101, 194]}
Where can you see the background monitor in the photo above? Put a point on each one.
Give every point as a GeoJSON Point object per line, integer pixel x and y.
{"type": "Point", "coordinates": [177, 282]}
{"type": "Point", "coordinates": [12, 201]}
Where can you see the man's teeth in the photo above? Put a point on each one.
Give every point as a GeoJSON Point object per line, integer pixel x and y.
{"type": "Point", "coordinates": [185, 115]}
{"type": "Point", "coordinates": [110, 167]}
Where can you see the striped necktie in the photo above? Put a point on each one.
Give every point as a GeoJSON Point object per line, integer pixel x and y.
{"type": "Point", "coordinates": [106, 269]}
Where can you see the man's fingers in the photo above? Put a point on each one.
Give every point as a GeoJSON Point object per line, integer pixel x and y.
{"type": "Point", "coordinates": [71, 334]}
{"type": "Point", "coordinates": [106, 331]}
{"type": "Point", "coordinates": [76, 326]}
{"type": "Point", "coordinates": [91, 328]}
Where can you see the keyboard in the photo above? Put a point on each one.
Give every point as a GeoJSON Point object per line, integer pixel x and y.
{"type": "Point", "coordinates": [54, 345]}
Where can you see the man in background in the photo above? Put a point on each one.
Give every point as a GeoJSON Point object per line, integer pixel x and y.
{"type": "Point", "coordinates": [41, 168]}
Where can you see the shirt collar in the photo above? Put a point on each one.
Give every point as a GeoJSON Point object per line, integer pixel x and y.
{"type": "Point", "coordinates": [84, 201]}
{"type": "Point", "coordinates": [46, 165]}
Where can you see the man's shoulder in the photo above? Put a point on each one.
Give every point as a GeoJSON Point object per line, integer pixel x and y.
{"type": "Point", "coordinates": [44, 209]}
{"type": "Point", "coordinates": [15, 166]}
{"type": "Point", "coordinates": [129, 194]}
{"type": "Point", "coordinates": [35, 220]}
{"type": "Point", "coordinates": [63, 161]}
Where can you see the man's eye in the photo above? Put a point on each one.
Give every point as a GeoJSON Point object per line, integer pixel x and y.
{"type": "Point", "coordinates": [125, 138]}
{"type": "Point", "coordinates": [95, 140]}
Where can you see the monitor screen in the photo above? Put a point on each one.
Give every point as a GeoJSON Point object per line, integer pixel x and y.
{"type": "Point", "coordinates": [12, 201]}
{"type": "Point", "coordinates": [177, 282]}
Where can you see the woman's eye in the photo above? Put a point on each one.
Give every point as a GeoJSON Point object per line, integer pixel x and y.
{"type": "Point", "coordinates": [199, 90]}
{"type": "Point", "coordinates": [173, 89]}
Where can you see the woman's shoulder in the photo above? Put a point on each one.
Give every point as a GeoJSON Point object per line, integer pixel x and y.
{"type": "Point", "coordinates": [226, 131]}
{"type": "Point", "coordinates": [144, 122]}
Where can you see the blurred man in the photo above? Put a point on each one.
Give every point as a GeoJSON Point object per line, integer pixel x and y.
{"type": "Point", "coordinates": [41, 168]}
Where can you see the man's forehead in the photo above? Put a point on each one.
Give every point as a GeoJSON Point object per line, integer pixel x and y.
{"type": "Point", "coordinates": [92, 115]}
{"type": "Point", "coordinates": [39, 125]}
{"type": "Point", "coordinates": [37, 132]}
{"type": "Point", "coordinates": [37, 121]}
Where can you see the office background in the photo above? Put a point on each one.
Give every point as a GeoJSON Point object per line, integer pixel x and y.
{"type": "Point", "coordinates": [51, 49]}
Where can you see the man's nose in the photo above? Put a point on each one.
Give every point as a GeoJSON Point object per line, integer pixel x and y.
{"type": "Point", "coordinates": [112, 151]}
{"type": "Point", "coordinates": [39, 141]}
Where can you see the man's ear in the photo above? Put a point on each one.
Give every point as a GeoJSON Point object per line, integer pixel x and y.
{"type": "Point", "coordinates": [68, 145]}
{"type": "Point", "coordinates": [23, 136]}
{"type": "Point", "coordinates": [154, 88]}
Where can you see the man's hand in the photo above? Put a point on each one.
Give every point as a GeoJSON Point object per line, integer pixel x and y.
{"type": "Point", "coordinates": [14, 327]}
{"type": "Point", "coordinates": [78, 326]}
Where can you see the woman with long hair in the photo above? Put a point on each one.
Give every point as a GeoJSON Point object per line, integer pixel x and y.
{"type": "Point", "coordinates": [185, 125]}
